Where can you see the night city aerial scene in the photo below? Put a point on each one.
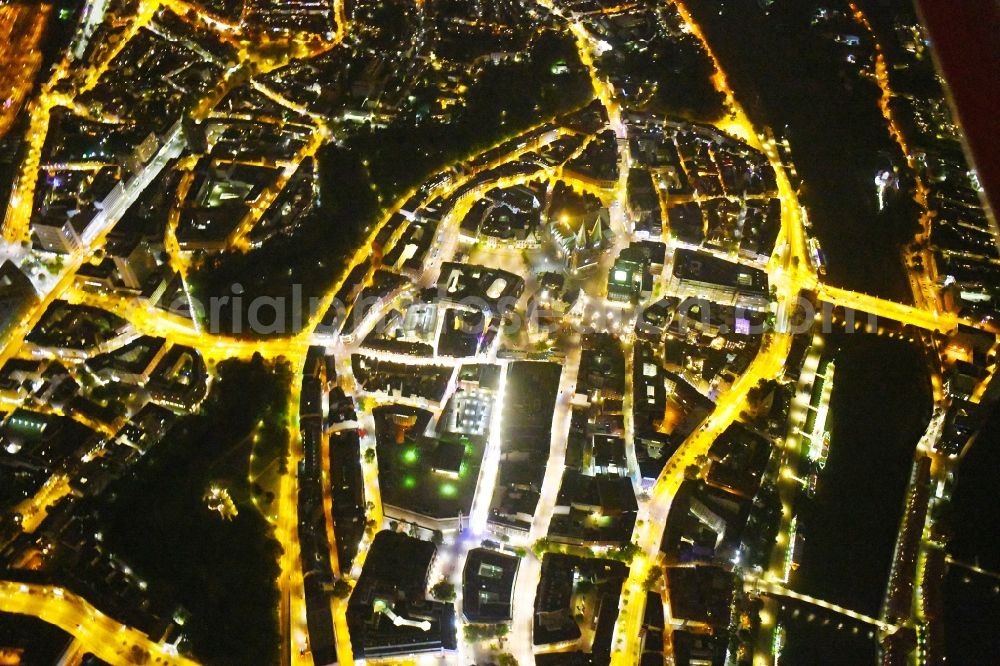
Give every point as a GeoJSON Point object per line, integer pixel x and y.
{"type": "Point", "coordinates": [499, 332]}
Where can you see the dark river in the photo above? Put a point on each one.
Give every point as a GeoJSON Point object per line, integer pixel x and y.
{"type": "Point", "coordinates": [879, 409]}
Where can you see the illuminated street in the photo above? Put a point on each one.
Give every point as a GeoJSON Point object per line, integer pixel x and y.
{"type": "Point", "coordinates": [461, 332]}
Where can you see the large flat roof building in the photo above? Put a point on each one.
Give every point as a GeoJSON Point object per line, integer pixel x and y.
{"type": "Point", "coordinates": [719, 280]}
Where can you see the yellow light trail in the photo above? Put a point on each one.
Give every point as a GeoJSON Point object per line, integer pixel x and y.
{"type": "Point", "coordinates": [767, 364]}
{"type": "Point", "coordinates": [180, 330]}
{"type": "Point", "coordinates": [923, 283]}
{"type": "Point", "coordinates": [942, 322]}
{"type": "Point", "coordinates": [363, 253]}
{"type": "Point", "coordinates": [19, 208]}
{"type": "Point", "coordinates": [238, 238]}
{"type": "Point", "coordinates": [21, 30]}
{"type": "Point", "coordinates": [789, 274]}
{"type": "Point", "coordinates": [292, 611]}
{"type": "Point", "coordinates": [34, 509]}
{"type": "Point", "coordinates": [92, 628]}
{"type": "Point", "coordinates": [106, 638]}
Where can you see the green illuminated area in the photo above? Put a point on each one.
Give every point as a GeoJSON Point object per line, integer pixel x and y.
{"type": "Point", "coordinates": [421, 472]}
